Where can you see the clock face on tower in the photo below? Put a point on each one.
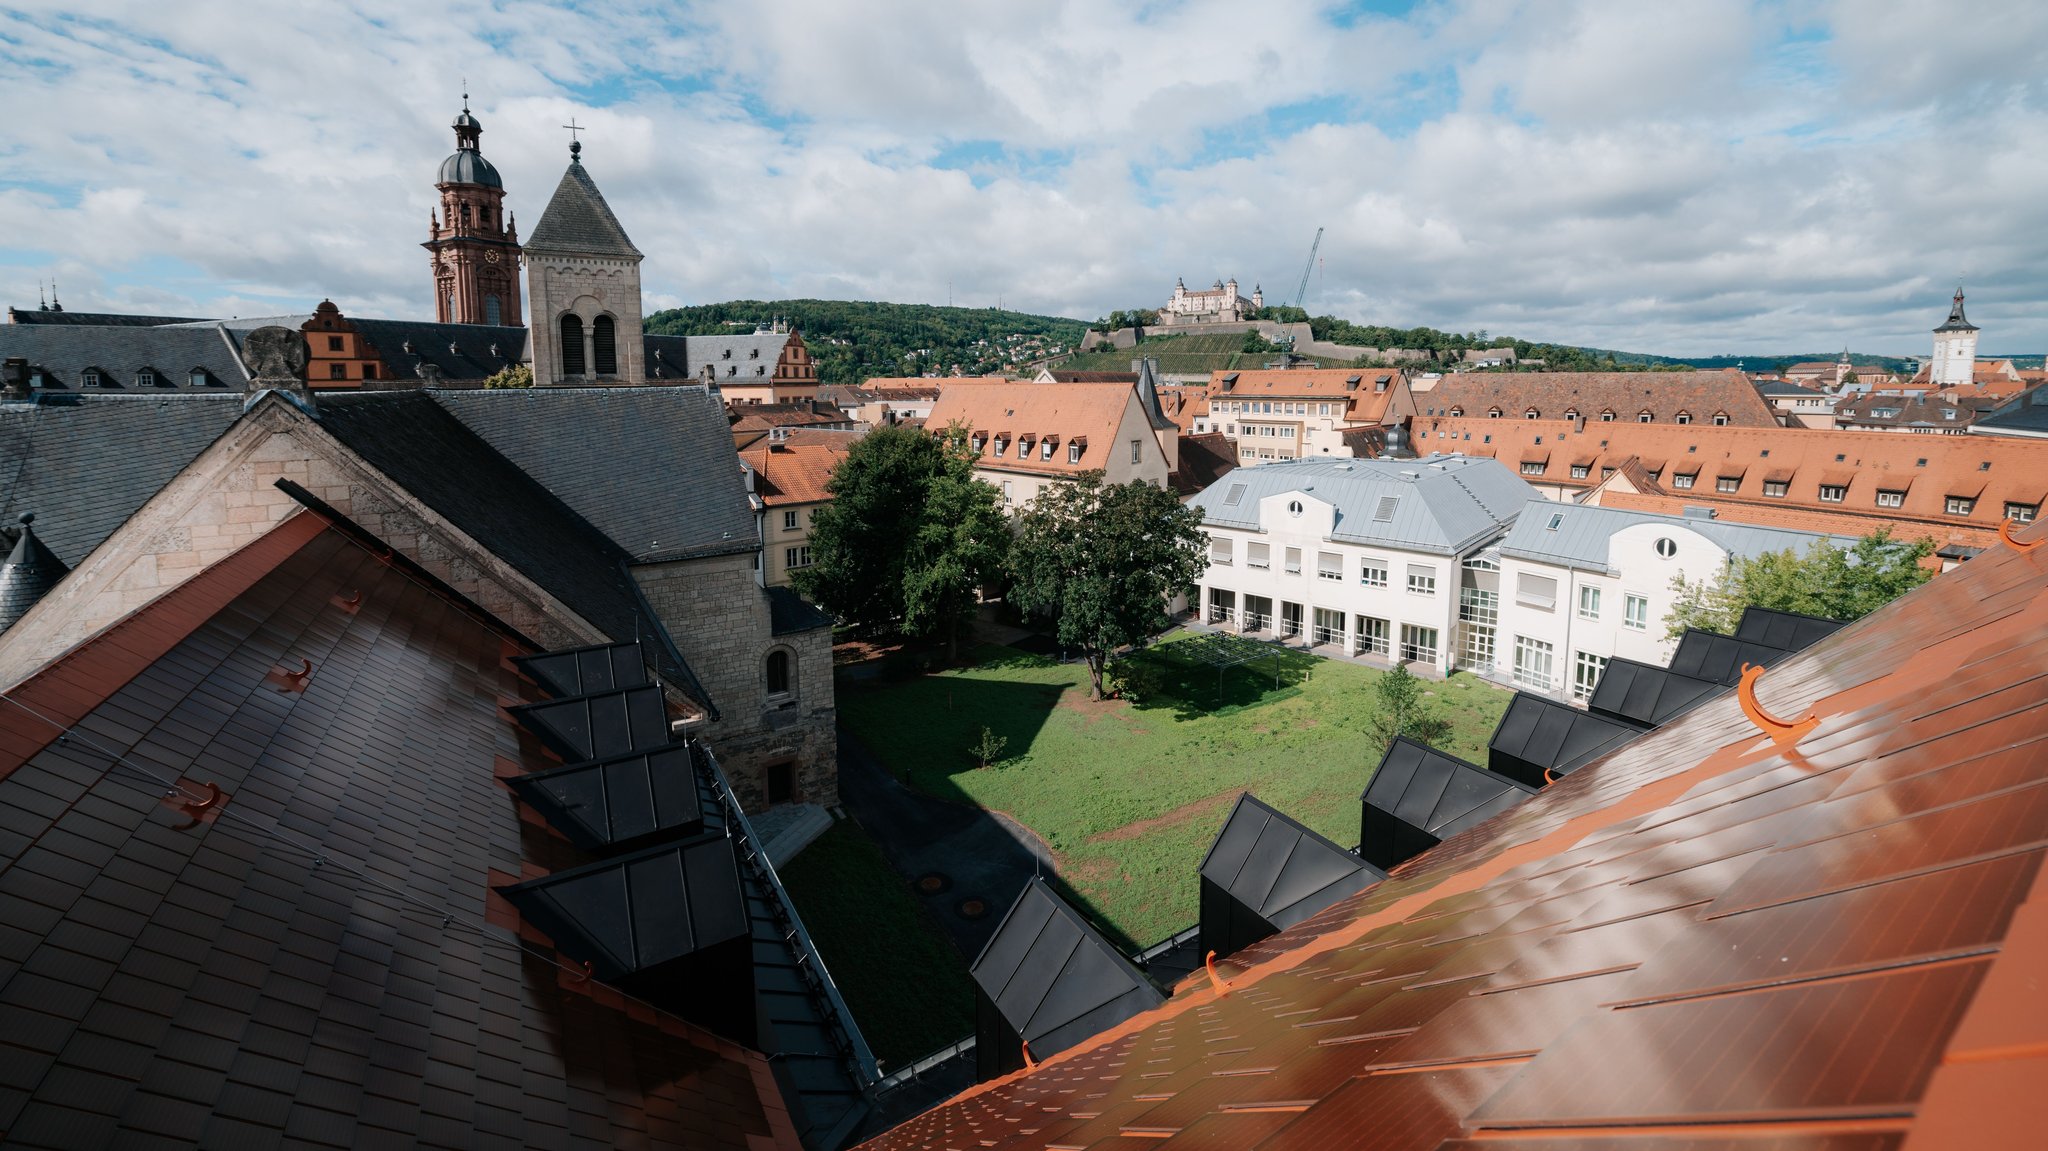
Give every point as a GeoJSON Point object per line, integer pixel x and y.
{"type": "Point", "coordinates": [490, 257]}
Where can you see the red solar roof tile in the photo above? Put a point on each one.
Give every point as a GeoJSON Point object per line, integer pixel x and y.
{"type": "Point", "coordinates": [1699, 937]}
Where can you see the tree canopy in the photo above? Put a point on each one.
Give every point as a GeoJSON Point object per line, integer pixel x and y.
{"type": "Point", "coordinates": [1828, 581]}
{"type": "Point", "coordinates": [908, 539]}
{"type": "Point", "coordinates": [1101, 560]}
{"type": "Point", "coordinates": [853, 340]}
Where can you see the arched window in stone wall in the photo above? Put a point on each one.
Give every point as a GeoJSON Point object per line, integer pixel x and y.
{"type": "Point", "coordinates": [492, 314]}
{"type": "Point", "coordinates": [604, 346]}
{"type": "Point", "coordinates": [781, 673]}
{"type": "Point", "coordinates": [572, 344]}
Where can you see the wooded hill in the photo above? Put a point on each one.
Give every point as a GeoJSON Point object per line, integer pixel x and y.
{"type": "Point", "coordinates": [853, 340]}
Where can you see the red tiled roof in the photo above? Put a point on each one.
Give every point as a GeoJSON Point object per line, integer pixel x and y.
{"type": "Point", "coordinates": [1697, 940]}
{"type": "Point", "coordinates": [2004, 469]}
{"type": "Point", "coordinates": [1627, 394]}
{"type": "Point", "coordinates": [315, 957]}
{"type": "Point", "coordinates": [1358, 386]}
{"type": "Point", "coordinates": [796, 470]}
{"type": "Point", "coordinates": [1006, 410]}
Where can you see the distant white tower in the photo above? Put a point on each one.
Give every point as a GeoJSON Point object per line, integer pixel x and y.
{"type": "Point", "coordinates": [1955, 349]}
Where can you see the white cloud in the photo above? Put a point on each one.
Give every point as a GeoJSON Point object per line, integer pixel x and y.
{"type": "Point", "coordinates": [1680, 178]}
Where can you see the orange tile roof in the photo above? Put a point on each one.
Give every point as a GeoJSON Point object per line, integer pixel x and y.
{"type": "Point", "coordinates": [1359, 386]}
{"type": "Point", "coordinates": [796, 470]}
{"type": "Point", "coordinates": [2003, 469]}
{"type": "Point", "coordinates": [1700, 939]}
{"type": "Point", "coordinates": [1184, 404]}
{"type": "Point", "coordinates": [1010, 410]}
{"type": "Point", "coordinates": [1627, 394]}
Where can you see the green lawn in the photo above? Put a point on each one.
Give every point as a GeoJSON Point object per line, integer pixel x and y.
{"type": "Point", "coordinates": [1130, 795]}
{"type": "Point", "coordinates": [901, 978]}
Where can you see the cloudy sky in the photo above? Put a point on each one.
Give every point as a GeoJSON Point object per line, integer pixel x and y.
{"type": "Point", "coordinates": [1685, 177]}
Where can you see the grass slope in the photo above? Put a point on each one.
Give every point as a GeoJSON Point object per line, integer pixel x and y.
{"type": "Point", "coordinates": [1130, 795]}
{"type": "Point", "coordinates": [905, 984]}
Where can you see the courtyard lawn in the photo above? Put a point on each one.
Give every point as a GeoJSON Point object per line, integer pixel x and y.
{"type": "Point", "coordinates": [904, 983]}
{"type": "Point", "coordinates": [1129, 794]}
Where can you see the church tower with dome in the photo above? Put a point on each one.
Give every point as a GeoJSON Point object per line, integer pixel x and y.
{"type": "Point", "coordinates": [474, 244]}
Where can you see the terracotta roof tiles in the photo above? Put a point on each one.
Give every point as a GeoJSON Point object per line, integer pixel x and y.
{"type": "Point", "coordinates": [1361, 387]}
{"type": "Point", "coordinates": [1665, 395]}
{"type": "Point", "coordinates": [1006, 411]}
{"type": "Point", "coordinates": [796, 470]}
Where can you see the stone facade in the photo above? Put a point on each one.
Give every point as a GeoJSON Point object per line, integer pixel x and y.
{"type": "Point", "coordinates": [720, 621]}
{"type": "Point", "coordinates": [1955, 349]}
{"type": "Point", "coordinates": [1218, 305]}
{"type": "Point", "coordinates": [586, 288]}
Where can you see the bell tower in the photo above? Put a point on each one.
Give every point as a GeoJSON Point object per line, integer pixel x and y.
{"type": "Point", "coordinates": [473, 243]}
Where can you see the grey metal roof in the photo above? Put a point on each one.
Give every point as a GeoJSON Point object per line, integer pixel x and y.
{"type": "Point", "coordinates": [578, 220]}
{"type": "Point", "coordinates": [63, 352]}
{"type": "Point", "coordinates": [85, 463]}
{"type": "Point", "coordinates": [414, 350]}
{"type": "Point", "coordinates": [1787, 388]}
{"type": "Point", "coordinates": [1442, 504]}
{"type": "Point", "coordinates": [468, 166]}
{"type": "Point", "coordinates": [653, 468]}
{"type": "Point", "coordinates": [60, 317]}
{"type": "Point", "coordinates": [1584, 533]}
{"type": "Point", "coordinates": [2025, 415]}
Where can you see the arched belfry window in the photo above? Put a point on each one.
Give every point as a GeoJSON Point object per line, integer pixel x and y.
{"type": "Point", "coordinates": [572, 344]}
{"type": "Point", "coordinates": [604, 346]}
{"type": "Point", "coordinates": [779, 672]}
{"type": "Point", "coordinates": [492, 314]}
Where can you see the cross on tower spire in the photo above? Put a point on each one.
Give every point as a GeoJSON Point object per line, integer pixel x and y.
{"type": "Point", "coordinates": [575, 145]}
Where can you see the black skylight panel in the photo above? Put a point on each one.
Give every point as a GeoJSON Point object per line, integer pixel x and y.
{"type": "Point", "coordinates": [584, 670]}
{"type": "Point", "coordinates": [598, 726]}
{"type": "Point", "coordinates": [1421, 796]}
{"type": "Point", "coordinates": [1266, 872]}
{"type": "Point", "coordinates": [668, 924]}
{"type": "Point", "coordinates": [1049, 979]}
{"type": "Point", "coordinates": [1537, 735]}
{"type": "Point", "coordinates": [1646, 695]}
{"type": "Point", "coordinates": [1712, 656]}
{"type": "Point", "coordinates": [1784, 629]}
{"type": "Point", "coordinates": [609, 803]}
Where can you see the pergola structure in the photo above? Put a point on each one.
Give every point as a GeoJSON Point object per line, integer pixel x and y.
{"type": "Point", "coordinates": [1223, 651]}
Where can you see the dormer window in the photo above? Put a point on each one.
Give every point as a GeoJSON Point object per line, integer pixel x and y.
{"type": "Point", "coordinates": [1571, 413]}
{"type": "Point", "coordinates": [1073, 453]}
{"type": "Point", "coordinates": [725, 354]}
{"type": "Point", "coordinates": [1457, 413]}
{"type": "Point", "coordinates": [754, 353]}
{"type": "Point", "coordinates": [976, 442]}
{"type": "Point", "coordinates": [93, 378]}
{"type": "Point", "coordinates": [1682, 417]}
{"type": "Point", "coordinates": [1045, 451]}
{"type": "Point", "coordinates": [1644, 416]}
{"type": "Point", "coordinates": [1001, 446]}
{"type": "Point", "coordinates": [1493, 413]}
{"type": "Point", "coordinates": [761, 370]}
{"type": "Point", "coordinates": [1531, 414]}
{"type": "Point", "coordinates": [198, 378]}
{"type": "Point", "coordinates": [1720, 419]}
{"type": "Point", "coordinates": [147, 378]}
{"type": "Point", "coordinates": [732, 370]}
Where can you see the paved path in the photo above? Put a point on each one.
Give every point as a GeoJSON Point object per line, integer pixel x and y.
{"type": "Point", "coordinates": [985, 855]}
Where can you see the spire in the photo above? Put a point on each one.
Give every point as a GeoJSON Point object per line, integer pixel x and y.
{"type": "Point", "coordinates": [31, 570]}
{"type": "Point", "coordinates": [1956, 320]}
{"type": "Point", "coordinates": [578, 220]}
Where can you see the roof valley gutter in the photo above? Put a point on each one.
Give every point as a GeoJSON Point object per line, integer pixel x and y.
{"type": "Point", "coordinates": [221, 329]}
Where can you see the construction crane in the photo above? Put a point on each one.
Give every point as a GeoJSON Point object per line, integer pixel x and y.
{"type": "Point", "coordinates": [1301, 293]}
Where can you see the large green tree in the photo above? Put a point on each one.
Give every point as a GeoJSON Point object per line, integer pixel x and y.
{"type": "Point", "coordinates": [1101, 560]}
{"type": "Point", "coordinates": [909, 538]}
{"type": "Point", "coordinates": [1831, 582]}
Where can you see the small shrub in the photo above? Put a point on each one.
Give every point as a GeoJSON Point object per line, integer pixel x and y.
{"type": "Point", "coordinates": [989, 748]}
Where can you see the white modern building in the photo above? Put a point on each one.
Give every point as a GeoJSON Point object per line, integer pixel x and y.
{"type": "Point", "coordinates": [1365, 556]}
{"type": "Point", "coordinates": [1579, 585]}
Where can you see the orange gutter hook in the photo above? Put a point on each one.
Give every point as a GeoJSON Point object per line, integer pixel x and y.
{"type": "Point", "coordinates": [1030, 1064]}
{"type": "Point", "coordinates": [582, 973]}
{"type": "Point", "coordinates": [1782, 732]}
{"type": "Point", "coordinates": [292, 681]}
{"type": "Point", "coordinates": [195, 809]}
{"type": "Point", "coordinates": [1215, 980]}
{"type": "Point", "coordinates": [2005, 533]}
{"type": "Point", "coordinates": [350, 603]}
{"type": "Point", "coordinates": [1549, 775]}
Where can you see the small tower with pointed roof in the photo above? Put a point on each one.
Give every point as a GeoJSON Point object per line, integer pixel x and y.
{"type": "Point", "coordinates": [583, 278]}
{"type": "Point", "coordinates": [1955, 349]}
{"type": "Point", "coordinates": [472, 241]}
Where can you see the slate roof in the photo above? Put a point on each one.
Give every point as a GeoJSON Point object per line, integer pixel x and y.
{"type": "Point", "coordinates": [317, 959]}
{"type": "Point", "coordinates": [2023, 415]}
{"type": "Point", "coordinates": [1701, 940]}
{"type": "Point", "coordinates": [1204, 459]}
{"type": "Point", "coordinates": [63, 353]}
{"type": "Point", "coordinates": [1444, 504]}
{"type": "Point", "coordinates": [1586, 533]}
{"type": "Point", "coordinates": [578, 221]}
{"type": "Point", "coordinates": [654, 468]}
{"type": "Point", "coordinates": [28, 573]}
{"type": "Point", "coordinates": [1627, 394]}
{"type": "Point", "coordinates": [54, 317]}
{"type": "Point", "coordinates": [83, 464]}
{"type": "Point", "coordinates": [409, 348]}
{"type": "Point", "coordinates": [789, 613]}
{"type": "Point", "coordinates": [426, 450]}
{"type": "Point", "coordinates": [749, 351]}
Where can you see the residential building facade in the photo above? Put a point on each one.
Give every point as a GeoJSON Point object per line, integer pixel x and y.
{"type": "Point", "coordinates": [786, 479]}
{"type": "Point", "coordinates": [1362, 557]}
{"type": "Point", "coordinates": [1027, 436]}
{"type": "Point", "coordinates": [1304, 413]}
